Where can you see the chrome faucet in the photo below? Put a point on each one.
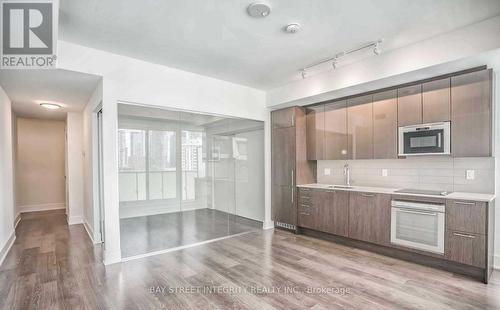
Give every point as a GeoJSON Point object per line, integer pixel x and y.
{"type": "Point", "coordinates": [347, 173]}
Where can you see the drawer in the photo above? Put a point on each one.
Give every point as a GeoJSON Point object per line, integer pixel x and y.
{"type": "Point", "coordinates": [465, 248]}
{"type": "Point", "coordinates": [307, 218]}
{"type": "Point", "coordinates": [466, 216]}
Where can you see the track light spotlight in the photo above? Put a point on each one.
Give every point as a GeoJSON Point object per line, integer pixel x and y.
{"type": "Point", "coordinates": [334, 63]}
{"type": "Point", "coordinates": [376, 49]}
{"type": "Point", "coordinates": [303, 73]}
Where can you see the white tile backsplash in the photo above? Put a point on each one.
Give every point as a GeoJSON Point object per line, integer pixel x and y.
{"type": "Point", "coordinates": [435, 173]}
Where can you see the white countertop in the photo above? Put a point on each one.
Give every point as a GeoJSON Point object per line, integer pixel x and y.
{"type": "Point", "coordinates": [386, 190]}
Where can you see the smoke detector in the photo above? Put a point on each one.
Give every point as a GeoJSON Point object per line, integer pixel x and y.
{"type": "Point", "coordinates": [258, 10]}
{"type": "Point", "coordinates": [292, 28]}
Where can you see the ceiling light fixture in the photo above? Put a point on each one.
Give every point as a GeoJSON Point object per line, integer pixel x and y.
{"type": "Point", "coordinates": [50, 106]}
{"type": "Point", "coordinates": [258, 10]}
{"type": "Point", "coordinates": [334, 59]}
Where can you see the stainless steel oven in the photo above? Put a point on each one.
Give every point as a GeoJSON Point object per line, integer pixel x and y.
{"type": "Point", "coordinates": [418, 225]}
{"type": "Point", "coordinates": [425, 139]}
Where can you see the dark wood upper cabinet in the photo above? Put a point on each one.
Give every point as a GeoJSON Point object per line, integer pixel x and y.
{"type": "Point", "coordinates": [283, 118]}
{"type": "Point", "coordinates": [335, 146]}
{"type": "Point", "coordinates": [471, 114]}
{"type": "Point", "coordinates": [410, 105]}
{"type": "Point", "coordinates": [360, 127]}
{"type": "Point", "coordinates": [385, 125]}
{"type": "Point", "coordinates": [315, 117]}
{"type": "Point", "coordinates": [436, 101]}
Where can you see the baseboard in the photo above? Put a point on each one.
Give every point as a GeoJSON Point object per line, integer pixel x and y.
{"type": "Point", "coordinates": [114, 257]}
{"type": "Point", "coordinates": [17, 219]}
{"type": "Point", "coordinates": [496, 262]}
{"type": "Point", "coordinates": [41, 207]}
{"type": "Point", "coordinates": [6, 248]}
{"type": "Point", "coordinates": [72, 220]}
{"type": "Point", "coordinates": [268, 225]}
{"type": "Point", "coordinates": [90, 232]}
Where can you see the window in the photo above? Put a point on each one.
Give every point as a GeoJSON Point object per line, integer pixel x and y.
{"type": "Point", "coordinates": [193, 166]}
{"type": "Point", "coordinates": [162, 165]}
{"type": "Point", "coordinates": [132, 164]}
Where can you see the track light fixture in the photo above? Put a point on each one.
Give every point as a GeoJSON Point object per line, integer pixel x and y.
{"type": "Point", "coordinates": [334, 59]}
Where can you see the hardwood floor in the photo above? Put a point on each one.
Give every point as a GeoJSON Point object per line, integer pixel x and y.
{"type": "Point", "coordinates": [53, 266]}
{"type": "Point", "coordinates": [145, 234]}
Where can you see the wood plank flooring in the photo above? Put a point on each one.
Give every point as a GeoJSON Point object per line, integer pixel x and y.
{"type": "Point", "coordinates": [145, 234]}
{"type": "Point", "coordinates": [53, 266]}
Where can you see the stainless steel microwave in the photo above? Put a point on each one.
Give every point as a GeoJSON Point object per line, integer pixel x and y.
{"type": "Point", "coordinates": [425, 139]}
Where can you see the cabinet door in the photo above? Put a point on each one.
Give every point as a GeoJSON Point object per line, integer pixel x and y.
{"type": "Point", "coordinates": [370, 217]}
{"type": "Point", "coordinates": [385, 125]}
{"type": "Point", "coordinates": [436, 101]}
{"type": "Point", "coordinates": [360, 127]}
{"type": "Point", "coordinates": [315, 129]}
{"type": "Point", "coordinates": [283, 165]}
{"type": "Point", "coordinates": [336, 130]}
{"type": "Point", "coordinates": [410, 105]}
{"type": "Point", "coordinates": [466, 248]}
{"type": "Point", "coordinates": [283, 118]}
{"type": "Point", "coordinates": [466, 216]}
{"type": "Point", "coordinates": [471, 114]}
{"type": "Point", "coordinates": [310, 214]}
{"type": "Point", "coordinates": [334, 213]}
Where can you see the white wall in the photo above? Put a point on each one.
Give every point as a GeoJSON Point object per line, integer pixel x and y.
{"type": "Point", "coordinates": [7, 234]}
{"type": "Point", "coordinates": [74, 173]}
{"type": "Point", "coordinates": [130, 80]}
{"type": "Point", "coordinates": [40, 165]}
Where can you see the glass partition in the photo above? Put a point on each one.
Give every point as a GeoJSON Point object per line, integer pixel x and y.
{"type": "Point", "coordinates": [187, 178]}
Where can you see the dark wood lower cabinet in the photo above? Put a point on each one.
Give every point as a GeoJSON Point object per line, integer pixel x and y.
{"type": "Point", "coordinates": [370, 217]}
{"type": "Point", "coordinates": [466, 248]}
{"type": "Point", "coordinates": [334, 213]}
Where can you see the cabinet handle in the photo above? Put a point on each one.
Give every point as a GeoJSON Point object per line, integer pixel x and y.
{"type": "Point", "coordinates": [305, 206]}
{"type": "Point", "coordinates": [465, 203]}
{"type": "Point", "coordinates": [464, 235]}
{"type": "Point", "coordinates": [292, 178]}
{"type": "Point", "coordinates": [368, 195]}
{"type": "Point", "coordinates": [292, 194]}
{"type": "Point", "coordinates": [305, 213]}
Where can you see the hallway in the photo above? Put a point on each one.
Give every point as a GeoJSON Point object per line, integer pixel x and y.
{"type": "Point", "coordinates": [54, 266]}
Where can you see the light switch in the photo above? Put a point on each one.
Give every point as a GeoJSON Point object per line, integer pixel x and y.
{"type": "Point", "coordinates": [327, 171]}
{"type": "Point", "coordinates": [384, 172]}
{"type": "Point", "coordinates": [470, 174]}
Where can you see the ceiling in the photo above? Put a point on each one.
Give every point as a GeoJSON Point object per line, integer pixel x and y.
{"type": "Point", "coordinates": [218, 39]}
{"type": "Point", "coordinates": [28, 88]}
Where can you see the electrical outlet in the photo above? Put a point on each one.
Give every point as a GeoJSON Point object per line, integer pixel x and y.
{"type": "Point", "coordinates": [327, 171]}
{"type": "Point", "coordinates": [384, 172]}
{"type": "Point", "coordinates": [470, 174]}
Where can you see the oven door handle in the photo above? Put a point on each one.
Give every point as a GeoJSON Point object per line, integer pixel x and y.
{"type": "Point", "coordinates": [416, 212]}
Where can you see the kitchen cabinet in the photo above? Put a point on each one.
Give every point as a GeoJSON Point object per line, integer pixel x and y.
{"type": "Point", "coordinates": [283, 118]}
{"type": "Point", "coordinates": [334, 212]}
{"type": "Point", "coordinates": [410, 105]}
{"type": "Point", "coordinates": [436, 101]}
{"type": "Point", "coordinates": [385, 125]}
{"type": "Point", "coordinates": [370, 217]}
{"type": "Point", "coordinates": [360, 127]}
{"type": "Point", "coordinates": [315, 128]}
{"type": "Point", "coordinates": [466, 248]}
{"type": "Point", "coordinates": [466, 216]}
{"type": "Point", "coordinates": [289, 165]}
{"type": "Point", "coordinates": [471, 114]}
{"type": "Point", "coordinates": [335, 145]}
{"type": "Point", "coordinates": [324, 210]}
